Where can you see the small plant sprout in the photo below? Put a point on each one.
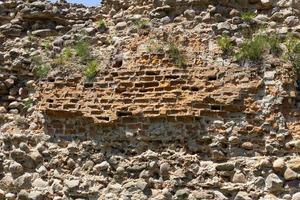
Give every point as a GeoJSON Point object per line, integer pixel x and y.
{"type": "Point", "coordinates": [82, 50]}
{"type": "Point", "coordinates": [274, 43]}
{"type": "Point", "coordinates": [176, 56]}
{"type": "Point", "coordinates": [67, 53]}
{"type": "Point", "coordinates": [101, 25]}
{"type": "Point", "coordinates": [248, 16]}
{"type": "Point", "coordinates": [91, 70]}
{"type": "Point", "coordinates": [28, 103]}
{"type": "Point", "coordinates": [253, 49]}
{"type": "Point", "coordinates": [224, 42]}
{"type": "Point", "coordinates": [155, 47]}
{"type": "Point", "coordinates": [47, 45]}
{"type": "Point", "coordinates": [41, 71]}
{"type": "Point", "coordinates": [37, 60]}
{"type": "Point", "coordinates": [141, 23]}
{"type": "Point", "coordinates": [293, 51]}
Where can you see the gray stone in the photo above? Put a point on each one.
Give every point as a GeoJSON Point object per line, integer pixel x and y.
{"type": "Point", "coordinates": [72, 148]}
{"type": "Point", "coordinates": [56, 186]}
{"type": "Point", "coordinates": [267, 4]}
{"type": "Point", "coordinates": [296, 196]}
{"type": "Point", "coordinates": [35, 195]}
{"type": "Point", "coordinates": [24, 147]}
{"type": "Point", "coordinates": [16, 168]}
{"type": "Point", "coordinates": [88, 165]}
{"type": "Point", "coordinates": [14, 105]}
{"type": "Point", "coordinates": [290, 174]}
{"type": "Point", "coordinates": [242, 196]}
{"type": "Point", "coordinates": [12, 30]}
{"type": "Point", "coordinates": [277, 17]}
{"type": "Point", "coordinates": [3, 109]}
{"type": "Point", "coordinates": [38, 4]}
{"type": "Point", "coordinates": [72, 184]}
{"type": "Point", "coordinates": [39, 183]}
{"type": "Point", "coordinates": [164, 169]}
{"type": "Point", "coordinates": [102, 166]}
{"type": "Point", "coordinates": [24, 181]}
{"type": "Point", "coordinates": [273, 183]}
{"type": "Point", "coordinates": [279, 165]}
{"type": "Point", "coordinates": [10, 196]}
{"type": "Point", "coordinates": [59, 42]}
{"type": "Point", "coordinates": [121, 25]}
{"type": "Point", "coordinates": [182, 194]}
{"type": "Point", "coordinates": [160, 12]}
{"type": "Point", "coordinates": [41, 170]}
{"type": "Point", "coordinates": [7, 182]}
{"type": "Point", "coordinates": [247, 145]}
{"type": "Point", "coordinates": [141, 184]}
{"type": "Point", "coordinates": [294, 164]}
{"type": "Point", "coordinates": [23, 92]}
{"type": "Point", "coordinates": [239, 178]}
{"type": "Point", "coordinates": [9, 82]}
{"type": "Point", "coordinates": [23, 195]}
{"type": "Point", "coordinates": [44, 33]}
{"type": "Point", "coordinates": [17, 155]}
{"type": "Point", "coordinates": [291, 21]}
{"type": "Point", "coordinates": [225, 167]}
{"type": "Point", "coordinates": [36, 157]}
{"type": "Point", "coordinates": [269, 75]}
{"type": "Point", "coordinates": [90, 30]}
{"type": "Point", "coordinates": [223, 26]}
{"type": "Point", "coordinates": [219, 196]}
{"type": "Point", "coordinates": [199, 195]}
{"type": "Point", "coordinates": [165, 20]}
{"type": "Point", "coordinates": [189, 14]}
{"type": "Point", "coordinates": [71, 163]}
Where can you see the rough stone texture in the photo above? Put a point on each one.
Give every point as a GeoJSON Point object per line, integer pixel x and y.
{"type": "Point", "coordinates": [144, 127]}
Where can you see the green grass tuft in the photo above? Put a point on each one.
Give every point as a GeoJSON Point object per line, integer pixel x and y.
{"type": "Point", "coordinates": [155, 47]}
{"type": "Point", "coordinates": [141, 23]}
{"type": "Point", "coordinates": [82, 50]}
{"type": "Point", "coordinates": [91, 70]}
{"type": "Point", "coordinates": [225, 44]}
{"type": "Point", "coordinates": [253, 49]}
{"type": "Point", "coordinates": [28, 103]}
{"type": "Point", "coordinates": [176, 56]}
{"type": "Point", "coordinates": [41, 71]}
{"type": "Point", "coordinates": [101, 24]}
{"type": "Point", "coordinates": [293, 51]}
{"type": "Point", "coordinates": [248, 16]}
{"type": "Point", "coordinates": [274, 43]}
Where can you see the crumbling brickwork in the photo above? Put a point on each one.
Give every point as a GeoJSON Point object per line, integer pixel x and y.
{"type": "Point", "coordinates": [150, 90]}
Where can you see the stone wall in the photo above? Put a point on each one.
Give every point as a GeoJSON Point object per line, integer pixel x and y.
{"type": "Point", "coordinates": [152, 103]}
{"type": "Point", "coordinates": [214, 128]}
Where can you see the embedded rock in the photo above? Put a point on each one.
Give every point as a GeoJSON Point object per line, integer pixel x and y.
{"type": "Point", "coordinates": [143, 99]}
{"type": "Point", "coordinates": [274, 183]}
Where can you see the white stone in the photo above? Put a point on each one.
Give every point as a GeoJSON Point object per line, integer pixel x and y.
{"type": "Point", "coordinates": [296, 196]}
{"type": "Point", "coordinates": [273, 183]}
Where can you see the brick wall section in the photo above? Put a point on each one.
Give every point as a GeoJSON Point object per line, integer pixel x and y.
{"type": "Point", "coordinates": [150, 103]}
{"type": "Point", "coordinates": [148, 91]}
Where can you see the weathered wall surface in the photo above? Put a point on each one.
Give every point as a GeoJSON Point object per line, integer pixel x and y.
{"type": "Point", "coordinates": [145, 128]}
{"type": "Point", "coordinates": [150, 89]}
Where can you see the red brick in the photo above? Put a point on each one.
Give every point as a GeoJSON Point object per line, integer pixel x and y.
{"type": "Point", "coordinates": [168, 100]}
